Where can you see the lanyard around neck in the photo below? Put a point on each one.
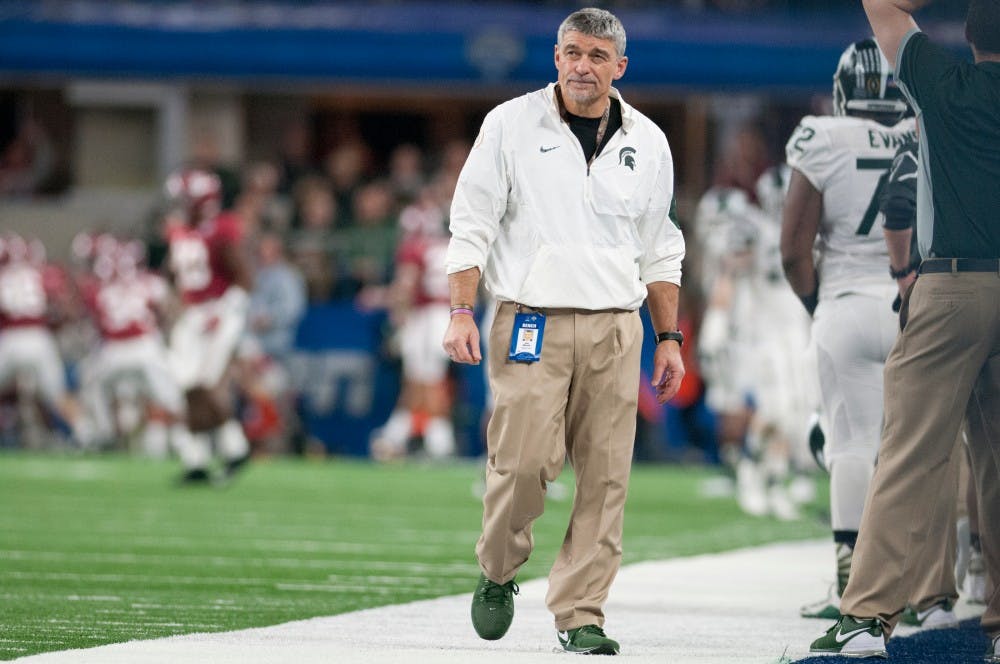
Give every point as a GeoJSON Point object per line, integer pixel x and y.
{"type": "Point", "coordinates": [602, 126]}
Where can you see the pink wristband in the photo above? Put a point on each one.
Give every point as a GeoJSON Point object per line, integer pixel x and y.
{"type": "Point", "coordinates": [461, 311]}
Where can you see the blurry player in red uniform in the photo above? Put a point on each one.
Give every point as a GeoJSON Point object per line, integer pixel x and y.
{"type": "Point", "coordinates": [27, 346]}
{"type": "Point", "coordinates": [212, 276]}
{"type": "Point", "coordinates": [419, 302]}
{"type": "Point", "coordinates": [124, 299]}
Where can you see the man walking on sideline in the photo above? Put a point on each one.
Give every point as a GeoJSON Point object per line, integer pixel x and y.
{"type": "Point", "coordinates": [565, 208]}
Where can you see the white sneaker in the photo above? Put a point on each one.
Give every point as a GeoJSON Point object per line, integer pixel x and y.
{"type": "Point", "coordinates": [963, 550]}
{"type": "Point", "coordinates": [975, 579]}
{"type": "Point", "coordinates": [993, 651]}
{"type": "Point", "coordinates": [382, 448]}
{"type": "Point", "coordinates": [802, 489]}
{"type": "Point", "coordinates": [852, 638]}
{"type": "Point", "coordinates": [750, 492]}
{"type": "Point", "coordinates": [939, 616]}
{"type": "Point", "coordinates": [827, 608]}
{"type": "Point", "coordinates": [780, 505]}
{"type": "Point", "coordinates": [556, 492]}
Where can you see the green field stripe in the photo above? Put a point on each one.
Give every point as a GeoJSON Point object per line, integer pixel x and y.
{"type": "Point", "coordinates": [171, 579]}
{"type": "Point", "coordinates": [421, 592]}
{"type": "Point", "coordinates": [105, 549]}
{"type": "Point", "coordinates": [200, 561]}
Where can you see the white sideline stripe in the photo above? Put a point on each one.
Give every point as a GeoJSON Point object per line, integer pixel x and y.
{"type": "Point", "coordinates": [740, 606]}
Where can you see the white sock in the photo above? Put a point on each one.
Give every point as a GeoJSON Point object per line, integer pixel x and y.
{"type": "Point", "coordinates": [849, 480]}
{"type": "Point", "coordinates": [232, 441]}
{"type": "Point", "coordinates": [398, 428]}
{"type": "Point", "coordinates": [439, 438]}
{"type": "Point", "coordinates": [193, 449]}
{"type": "Point", "coordinates": [156, 439]}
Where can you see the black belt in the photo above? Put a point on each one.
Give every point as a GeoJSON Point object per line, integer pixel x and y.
{"type": "Point", "coordinates": [960, 265]}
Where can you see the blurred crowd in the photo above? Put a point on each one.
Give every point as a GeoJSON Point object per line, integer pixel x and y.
{"type": "Point", "coordinates": [315, 231]}
{"type": "Point", "coordinates": [338, 214]}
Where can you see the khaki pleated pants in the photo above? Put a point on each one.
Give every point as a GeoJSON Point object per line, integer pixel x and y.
{"type": "Point", "coordinates": [577, 403]}
{"type": "Point", "coordinates": [948, 353]}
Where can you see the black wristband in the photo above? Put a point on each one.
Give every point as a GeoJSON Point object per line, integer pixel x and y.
{"type": "Point", "coordinates": [899, 274]}
{"type": "Point", "coordinates": [676, 335]}
{"type": "Point", "coordinates": [810, 301]}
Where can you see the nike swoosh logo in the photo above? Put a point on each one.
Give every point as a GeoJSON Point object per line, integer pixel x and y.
{"type": "Point", "coordinates": [843, 638]}
{"type": "Point", "coordinates": [545, 149]}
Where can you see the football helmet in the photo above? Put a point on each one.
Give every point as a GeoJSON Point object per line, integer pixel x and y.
{"type": "Point", "coordinates": [194, 194]}
{"type": "Point", "coordinates": [864, 83]}
{"type": "Point", "coordinates": [16, 249]}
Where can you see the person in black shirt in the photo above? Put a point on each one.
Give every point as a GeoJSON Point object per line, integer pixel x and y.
{"type": "Point", "coordinates": [949, 349]}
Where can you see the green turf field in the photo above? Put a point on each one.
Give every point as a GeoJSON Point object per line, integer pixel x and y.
{"type": "Point", "coordinates": [95, 550]}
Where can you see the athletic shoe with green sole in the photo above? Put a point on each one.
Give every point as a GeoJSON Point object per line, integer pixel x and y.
{"type": "Point", "coordinates": [851, 637]}
{"type": "Point", "coordinates": [588, 640]}
{"type": "Point", "coordinates": [493, 608]}
{"type": "Point", "coordinates": [827, 608]}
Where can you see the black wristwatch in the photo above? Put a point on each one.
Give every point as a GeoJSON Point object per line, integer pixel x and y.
{"type": "Point", "coordinates": [676, 335]}
{"type": "Point", "coordinates": [899, 274]}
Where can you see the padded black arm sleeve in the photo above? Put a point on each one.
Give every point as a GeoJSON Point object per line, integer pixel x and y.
{"type": "Point", "coordinates": [899, 200]}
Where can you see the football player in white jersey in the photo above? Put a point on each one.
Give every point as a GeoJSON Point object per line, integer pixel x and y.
{"type": "Point", "coordinates": [834, 256]}
{"type": "Point", "coordinates": [782, 378]}
{"type": "Point", "coordinates": [725, 236]}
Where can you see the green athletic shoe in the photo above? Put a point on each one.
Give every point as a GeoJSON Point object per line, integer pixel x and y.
{"type": "Point", "coordinates": [938, 616]}
{"type": "Point", "coordinates": [827, 608]}
{"type": "Point", "coordinates": [851, 637]}
{"type": "Point", "coordinates": [493, 608]}
{"type": "Point", "coordinates": [588, 640]}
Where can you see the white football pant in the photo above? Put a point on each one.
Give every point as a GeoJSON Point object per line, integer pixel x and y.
{"type": "Point", "coordinates": [853, 334]}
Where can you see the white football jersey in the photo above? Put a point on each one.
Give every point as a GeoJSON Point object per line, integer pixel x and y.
{"type": "Point", "coordinates": [771, 189]}
{"type": "Point", "coordinates": [847, 159]}
{"type": "Point", "coordinates": [724, 225]}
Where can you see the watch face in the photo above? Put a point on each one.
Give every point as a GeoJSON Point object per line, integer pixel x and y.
{"type": "Point", "coordinates": [671, 336]}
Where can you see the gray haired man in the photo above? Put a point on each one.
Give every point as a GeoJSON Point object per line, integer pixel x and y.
{"type": "Point", "coordinates": [564, 208]}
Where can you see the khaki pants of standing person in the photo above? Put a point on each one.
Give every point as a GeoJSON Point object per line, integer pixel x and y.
{"type": "Point", "coordinates": [949, 352]}
{"type": "Point", "coordinates": [984, 479]}
{"type": "Point", "coordinates": [578, 403]}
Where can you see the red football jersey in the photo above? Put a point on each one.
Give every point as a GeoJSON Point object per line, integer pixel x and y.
{"type": "Point", "coordinates": [24, 294]}
{"type": "Point", "coordinates": [196, 257]}
{"type": "Point", "coordinates": [125, 308]}
{"type": "Point", "coordinates": [427, 253]}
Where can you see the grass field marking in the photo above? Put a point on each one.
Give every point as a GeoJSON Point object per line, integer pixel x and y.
{"type": "Point", "coordinates": [380, 580]}
{"type": "Point", "coordinates": [165, 559]}
{"type": "Point", "coordinates": [214, 605]}
{"type": "Point", "coordinates": [183, 580]}
{"type": "Point", "coordinates": [358, 590]}
{"type": "Point", "coordinates": [321, 546]}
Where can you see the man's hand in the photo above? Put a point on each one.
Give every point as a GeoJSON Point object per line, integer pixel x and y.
{"type": "Point", "coordinates": [904, 283]}
{"type": "Point", "coordinates": [668, 370]}
{"type": "Point", "coordinates": [461, 341]}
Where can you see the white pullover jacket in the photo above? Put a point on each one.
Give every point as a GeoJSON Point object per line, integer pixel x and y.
{"type": "Point", "coordinates": [547, 231]}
